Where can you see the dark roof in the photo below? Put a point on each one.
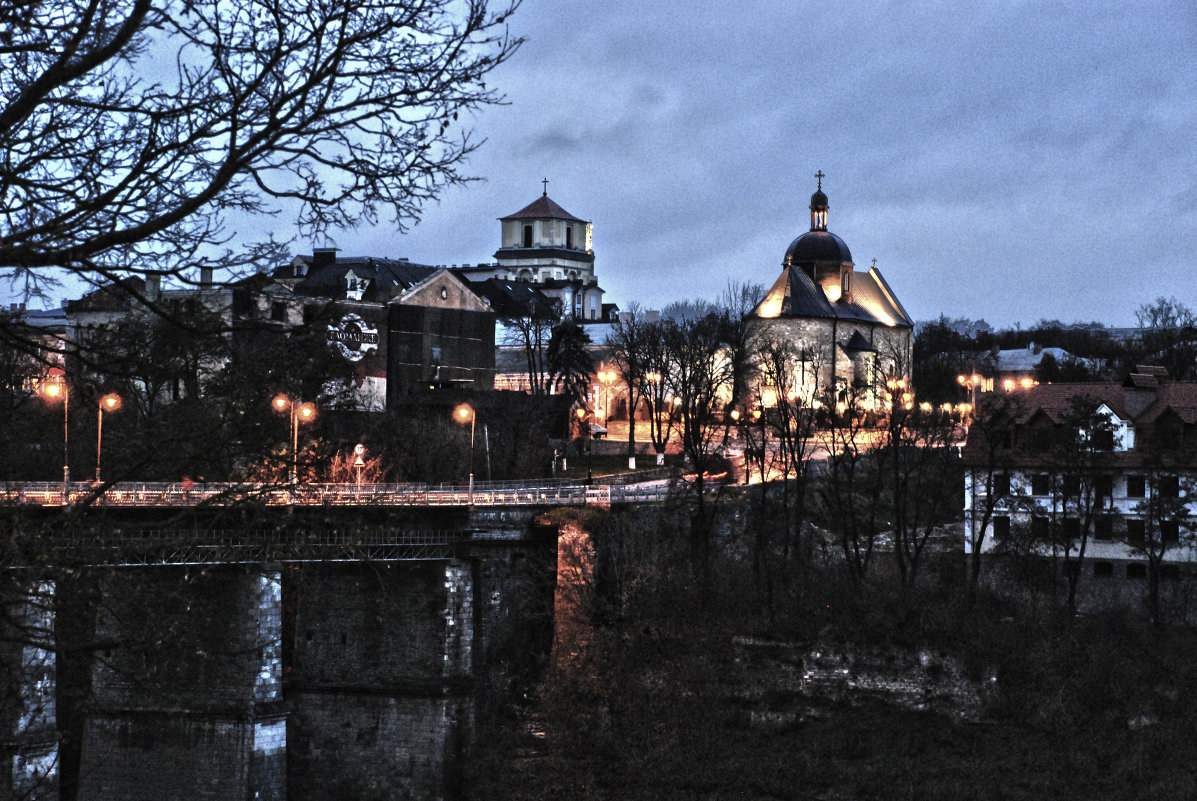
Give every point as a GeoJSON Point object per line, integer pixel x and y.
{"type": "Point", "coordinates": [1131, 403]}
{"type": "Point", "coordinates": [817, 246]}
{"type": "Point", "coordinates": [1140, 406]}
{"type": "Point", "coordinates": [795, 294]}
{"type": "Point", "coordinates": [541, 209]}
{"type": "Point", "coordinates": [388, 277]}
{"type": "Point", "coordinates": [511, 299]}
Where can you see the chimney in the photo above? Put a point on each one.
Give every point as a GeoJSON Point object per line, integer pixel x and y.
{"type": "Point", "coordinates": [205, 277]}
{"type": "Point", "coordinates": [153, 286]}
{"type": "Point", "coordinates": [323, 257]}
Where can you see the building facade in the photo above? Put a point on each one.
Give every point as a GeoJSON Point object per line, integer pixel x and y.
{"type": "Point", "coordinates": [545, 245]}
{"type": "Point", "coordinates": [1106, 472]}
{"type": "Point", "coordinates": [847, 327]}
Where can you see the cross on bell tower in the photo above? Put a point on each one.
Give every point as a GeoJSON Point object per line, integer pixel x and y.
{"type": "Point", "coordinates": [818, 206]}
{"type": "Point", "coordinates": [545, 181]}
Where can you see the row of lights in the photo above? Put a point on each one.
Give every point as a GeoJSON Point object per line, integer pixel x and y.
{"type": "Point", "coordinates": [53, 389]}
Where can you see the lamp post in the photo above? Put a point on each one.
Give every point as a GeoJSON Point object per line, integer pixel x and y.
{"type": "Point", "coordinates": [465, 412]}
{"type": "Point", "coordinates": [299, 413]}
{"type": "Point", "coordinates": [586, 438]}
{"type": "Point", "coordinates": [109, 403]}
{"type": "Point", "coordinates": [51, 390]}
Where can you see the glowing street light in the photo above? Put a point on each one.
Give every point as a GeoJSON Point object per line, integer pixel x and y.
{"type": "Point", "coordinates": [109, 403]}
{"type": "Point", "coordinates": [299, 413]}
{"type": "Point", "coordinates": [606, 378]}
{"type": "Point", "coordinates": [53, 389]}
{"type": "Point", "coordinates": [581, 413]}
{"type": "Point", "coordinates": [465, 413]}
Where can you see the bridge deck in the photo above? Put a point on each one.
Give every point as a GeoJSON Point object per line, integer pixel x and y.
{"type": "Point", "coordinates": [180, 495]}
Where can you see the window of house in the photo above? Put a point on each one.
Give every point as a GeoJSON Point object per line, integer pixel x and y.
{"type": "Point", "coordinates": [1039, 527]}
{"type": "Point", "coordinates": [1103, 528]}
{"type": "Point", "coordinates": [278, 311]}
{"type": "Point", "coordinates": [1103, 570]}
{"type": "Point", "coordinates": [1001, 528]}
{"type": "Point", "coordinates": [1102, 440]}
{"type": "Point", "coordinates": [527, 236]}
{"type": "Point", "coordinates": [1071, 486]}
{"type": "Point", "coordinates": [1169, 532]}
{"type": "Point", "coordinates": [1170, 572]}
{"type": "Point", "coordinates": [1001, 485]}
{"type": "Point", "coordinates": [1104, 487]}
{"type": "Point", "coordinates": [1071, 528]}
{"type": "Point", "coordinates": [1136, 532]}
{"type": "Point", "coordinates": [1168, 486]}
{"type": "Point", "coordinates": [1040, 484]}
{"type": "Point", "coordinates": [1136, 570]}
{"type": "Point", "coordinates": [1136, 487]}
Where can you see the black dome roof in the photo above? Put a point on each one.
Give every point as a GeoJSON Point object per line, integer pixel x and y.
{"type": "Point", "coordinates": [818, 200]}
{"type": "Point", "coordinates": [817, 246]}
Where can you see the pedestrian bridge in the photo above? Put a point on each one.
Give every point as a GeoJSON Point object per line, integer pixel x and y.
{"type": "Point", "coordinates": [209, 494]}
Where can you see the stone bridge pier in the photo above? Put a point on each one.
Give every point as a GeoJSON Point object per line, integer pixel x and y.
{"type": "Point", "coordinates": [314, 674]}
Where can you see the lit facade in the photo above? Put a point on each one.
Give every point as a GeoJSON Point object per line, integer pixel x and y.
{"type": "Point", "coordinates": [847, 327]}
{"type": "Point", "coordinates": [1131, 488]}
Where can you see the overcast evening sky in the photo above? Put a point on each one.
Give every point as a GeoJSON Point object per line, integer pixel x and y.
{"type": "Point", "coordinates": [1012, 161]}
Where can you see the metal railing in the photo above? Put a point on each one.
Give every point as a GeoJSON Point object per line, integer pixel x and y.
{"type": "Point", "coordinates": [547, 492]}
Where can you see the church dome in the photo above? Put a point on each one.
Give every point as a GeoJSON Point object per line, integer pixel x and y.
{"type": "Point", "coordinates": [816, 246]}
{"type": "Point", "coordinates": [818, 200]}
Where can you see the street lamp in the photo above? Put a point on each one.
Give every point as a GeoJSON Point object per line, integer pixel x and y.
{"type": "Point", "coordinates": [299, 413]}
{"type": "Point", "coordinates": [109, 403]}
{"type": "Point", "coordinates": [581, 413]}
{"type": "Point", "coordinates": [463, 413]}
{"type": "Point", "coordinates": [53, 389]}
{"type": "Point", "coordinates": [606, 378]}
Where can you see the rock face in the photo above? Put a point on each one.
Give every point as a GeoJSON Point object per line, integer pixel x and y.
{"type": "Point", "coordinates": [780, 683]}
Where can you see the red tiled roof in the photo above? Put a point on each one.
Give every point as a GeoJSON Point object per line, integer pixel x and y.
{"type": "Point", "coordinates": [543, 208]}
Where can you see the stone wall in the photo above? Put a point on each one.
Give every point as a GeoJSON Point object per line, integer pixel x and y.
{"type": "Point", "coordinates": [185, 686]}
{"type": "Point", "coordinates": [381, 685]}
{"type": "Point", "coordinates": [28, 713]}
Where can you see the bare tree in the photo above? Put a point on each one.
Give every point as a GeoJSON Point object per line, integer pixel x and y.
{"type": "Point", "coordinates": [627, 343]}
{"type": "Point", "coordinates": [989, 461]}
{"type": "Point", "coordinates": [132, 130]}
{"type": "Point", "coordinates": [851, 493]}
{"type": "Point", "coordinates": [1164, 523]}
{"type": "Point", "coordinates": [923, 472]}
{"type": "Point", "coordinates": [1167, 336]}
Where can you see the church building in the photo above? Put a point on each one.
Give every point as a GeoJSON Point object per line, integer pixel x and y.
{"type": "Point", "coordinates": [545, 245]}
{"type": "Point", "coordinates": [846, 326]}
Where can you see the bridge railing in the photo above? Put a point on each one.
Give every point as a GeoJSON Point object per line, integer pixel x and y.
{"type": "Point", "coordinates": [554, 492]}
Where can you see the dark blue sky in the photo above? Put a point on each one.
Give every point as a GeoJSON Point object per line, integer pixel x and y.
{"type": "Point", "coordinates": [1012, 161]}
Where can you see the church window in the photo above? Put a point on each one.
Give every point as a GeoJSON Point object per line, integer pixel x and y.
{"type": "Point", "coordinates": [845, 285]}
{"type": "Point", "coordinates": [569, 237]}
{"type": "Point", "coordinates": [527, 236]}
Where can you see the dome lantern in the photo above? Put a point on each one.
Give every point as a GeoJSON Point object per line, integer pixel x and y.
{"type": "Point", "coordinates": [818, 206]}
